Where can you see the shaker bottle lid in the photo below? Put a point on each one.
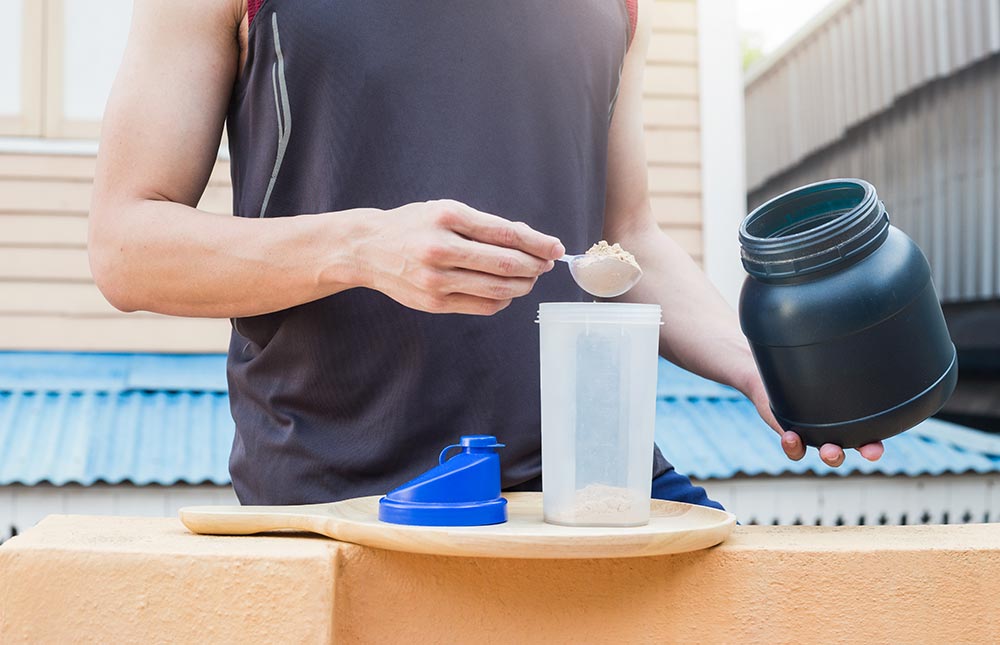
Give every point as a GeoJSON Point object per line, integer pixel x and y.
{"type": "Point", "coordinates": [463, 490]}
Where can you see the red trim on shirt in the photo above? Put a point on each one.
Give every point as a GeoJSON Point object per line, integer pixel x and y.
{"type": "Point", "coordinates": [253, 6]}
{"type": "Point", "coordinates": [632, 6]}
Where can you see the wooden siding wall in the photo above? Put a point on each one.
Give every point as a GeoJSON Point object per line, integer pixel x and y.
{"type": "Point", "coordinates": [672, 117]}
{"type": "Point", "coordinates": [48, 299]}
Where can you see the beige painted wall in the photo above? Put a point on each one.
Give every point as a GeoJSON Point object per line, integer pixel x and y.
{"type": "Point", "coordinates": [132, 580]}
{"type": "Point", "coordinates": [672, 117]}
{"type": "Point", "coordinates": [21, 61]}
{"type": "Point", "coordinates": [47, 297]}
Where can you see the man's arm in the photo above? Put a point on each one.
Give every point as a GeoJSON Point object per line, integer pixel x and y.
{"type": "Point", "coordinates": [701, 332]}
{"type": "Point", "coordinates": [151, 249]}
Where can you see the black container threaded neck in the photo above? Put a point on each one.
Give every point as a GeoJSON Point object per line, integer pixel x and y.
{"type": "Point", "coordinates": [813, 228]}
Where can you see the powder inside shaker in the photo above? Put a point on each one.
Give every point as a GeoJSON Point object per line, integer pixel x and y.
{"type": "Point", "coordinates": [600, 504]}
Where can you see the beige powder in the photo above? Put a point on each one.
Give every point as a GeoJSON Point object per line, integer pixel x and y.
{"type": "Point", "coordinates": [598, 504]}
{"type": "Point", "coordinates": [606, 270]}
{"type": "Point", "coordinates": [603, 250]}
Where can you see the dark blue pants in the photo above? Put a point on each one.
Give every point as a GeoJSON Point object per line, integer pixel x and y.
{"type": "Point", "coordinates": [675, 487]}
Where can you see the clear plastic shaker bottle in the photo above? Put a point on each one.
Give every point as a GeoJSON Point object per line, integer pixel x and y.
{"type": "Point", "coordinates": [598, 391]}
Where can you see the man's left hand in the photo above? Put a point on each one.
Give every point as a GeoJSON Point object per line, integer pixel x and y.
{"type": "Point", "coordinates": [791, 443]}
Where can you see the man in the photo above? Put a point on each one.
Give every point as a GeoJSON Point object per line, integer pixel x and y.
{"type": "Point", "coordinates": [404, 176]}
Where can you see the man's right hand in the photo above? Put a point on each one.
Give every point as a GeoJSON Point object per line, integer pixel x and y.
{"type": "Point", "coordinates": [446, 257]}
{"type": "Point", "coordinates": [151, 249]}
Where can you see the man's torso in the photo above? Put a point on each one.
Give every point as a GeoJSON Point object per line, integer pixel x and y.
{"type": "Point", "coordinates": [502, 105]}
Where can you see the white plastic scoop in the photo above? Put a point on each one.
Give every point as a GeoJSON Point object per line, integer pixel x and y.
{"type": "Point", "coordinates": [603, 276]}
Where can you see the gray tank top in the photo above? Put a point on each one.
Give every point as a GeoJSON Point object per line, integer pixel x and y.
{"type": "Point", "coordinates": [502, 105]}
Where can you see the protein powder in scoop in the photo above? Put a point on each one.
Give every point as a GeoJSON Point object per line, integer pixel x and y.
{"type": "Point", "coordinates": [606, 270]}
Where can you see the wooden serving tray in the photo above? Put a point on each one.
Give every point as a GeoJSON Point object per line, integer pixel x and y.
{"type": "Point", "coordinates": [673, 527]}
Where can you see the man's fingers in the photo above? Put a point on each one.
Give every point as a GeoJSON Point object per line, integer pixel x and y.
{"type": "Point", "coordinates": [831, 455]}
{"type": "Point", "coordinates": [872, 451]}
{"type": "Point", "coordinates": [461, 303]}
{"type": "Point", "coordinates": [495, 260]}
{"type": "Point", "coordinates": [482, 285]}
{"type": "Point", "coordinates": [792, 445]}
{"type": "Point", "coordinates": [490, 229]}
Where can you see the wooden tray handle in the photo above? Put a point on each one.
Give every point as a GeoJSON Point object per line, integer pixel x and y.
{"type": "Point", "coordinates": [245, 520]}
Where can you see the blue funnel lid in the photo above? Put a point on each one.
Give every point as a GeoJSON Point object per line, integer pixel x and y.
{"type": "Point", "coordinates": [461, 491]}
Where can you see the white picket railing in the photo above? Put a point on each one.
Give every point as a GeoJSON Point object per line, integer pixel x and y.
{"type": "Point", "coordinates": [869, 499]}
{"type": "Point", "coordinates": [827, 501]}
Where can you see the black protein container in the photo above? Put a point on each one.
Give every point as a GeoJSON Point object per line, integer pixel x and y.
{"type": "Point", "coordinates": [842, 316]}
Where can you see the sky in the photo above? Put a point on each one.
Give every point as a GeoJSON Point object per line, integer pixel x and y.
{"type": "Point", "coordinates": [770, 22]}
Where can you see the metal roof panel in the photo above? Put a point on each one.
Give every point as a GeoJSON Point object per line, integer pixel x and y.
{"type": "Point", "coordinates": [154, 419]}
{"type": "Point", "coordinates": [722, 436]}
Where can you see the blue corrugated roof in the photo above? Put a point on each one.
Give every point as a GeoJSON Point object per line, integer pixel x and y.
{"type": "Point", "coordinates": [711, 431]}
{"type": "Point", "coordinates": [84, 418]}
{"type": "Point", "coordinates": [163, 419]}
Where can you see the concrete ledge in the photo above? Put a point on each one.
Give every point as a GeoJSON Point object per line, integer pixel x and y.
{"type": "Point", "coordinates": [95, 579]}
{"type": "Point", "coordinates": [76, 579]}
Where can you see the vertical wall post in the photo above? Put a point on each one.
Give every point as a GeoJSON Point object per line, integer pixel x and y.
{"type": "Point", "coordinates": [723, 174]}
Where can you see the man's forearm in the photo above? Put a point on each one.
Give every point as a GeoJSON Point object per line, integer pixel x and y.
{"type": "Point", "coordinates": [700, 332]}
{"type": "Point", "coordinates": [173, 259]}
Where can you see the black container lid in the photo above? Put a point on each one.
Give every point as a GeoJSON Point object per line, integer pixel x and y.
{"type": "Point", "coordinates": [813, 228]}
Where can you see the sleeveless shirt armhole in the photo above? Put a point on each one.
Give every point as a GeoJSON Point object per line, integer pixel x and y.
{"type": "Point", "coordinates": [253, 6]}
{"type": "Point", "coordinates": [632, 6]}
